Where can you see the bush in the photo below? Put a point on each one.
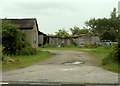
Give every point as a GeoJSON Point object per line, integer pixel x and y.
{"type": "Point", "coordinates": [90, 45]}
{"type": "Point", "coordinates": [27, 50]}
{"type": "Point", "coordinates": [12, 38]}
{"type": "Point", "coordinates": [113, 55]}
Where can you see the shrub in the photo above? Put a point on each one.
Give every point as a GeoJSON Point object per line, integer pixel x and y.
{"type": "Point", "coordinates": [27, 50]}
{"type": "Point", "coordinates": [90, 44]}
{"type": "Point", "coordinates": [12, 38]}
{"type": "Point", "coordinates": [113, 55]}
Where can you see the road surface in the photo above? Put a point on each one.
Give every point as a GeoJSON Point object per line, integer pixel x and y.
{"type": "Point", "coordinates": [54, 70]}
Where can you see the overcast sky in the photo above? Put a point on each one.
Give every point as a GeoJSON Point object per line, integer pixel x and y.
{"type": "Point", "coordinates": [56, 14]}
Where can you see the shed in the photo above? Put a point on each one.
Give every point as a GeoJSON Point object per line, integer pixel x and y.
{"type": "Point", "coordinates": [42, 38]}
{"type": "Point", "coordinates": [29, 27]}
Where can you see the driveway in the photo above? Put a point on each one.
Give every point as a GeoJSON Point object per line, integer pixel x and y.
{"type": "Point", "coordinates": [58, 69]}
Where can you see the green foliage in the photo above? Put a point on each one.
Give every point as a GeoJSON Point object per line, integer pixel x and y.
{"type": "Point", "coordinates": [113, 14]}
{"type": "Point", "coordinates": [62, 33]}
{"type": "Point", "coordinates": [77, 31]}
{"type": "Point", "coordinates": [105, 28]}
{"type": "Point", "coordinates": [91, 45]}
{"type": "Point", "coordinates": [26, 60]}
{"type": "Point", "coordinates": [112, 56]}
{"type": "Point", "coordinates": [27, 50]}
{"type": "Point", "coordinates": [13, 40]}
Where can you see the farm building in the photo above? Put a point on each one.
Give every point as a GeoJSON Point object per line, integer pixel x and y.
{"type": "Point", "coordinates": [42, 38]}
{"type": "Point", "coordinates": [77, 40]}
{"type": "Point", "coordinates": [58, 41]}
{"type": "Point", "coordinates": [85, 39]}
{"type": "Point", "coordinates": [29, 27]}
{"type": "Point", "coordinates": [35, 37]}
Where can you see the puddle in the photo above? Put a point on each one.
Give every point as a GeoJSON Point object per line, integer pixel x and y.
{"type": "Point", "coordinates": [74, 63]}
{"type": "Point", "coordinates": [77, 62]}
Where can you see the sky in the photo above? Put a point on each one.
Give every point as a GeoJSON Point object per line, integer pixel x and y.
{"type": "Point", "coordinates": [57, 14]}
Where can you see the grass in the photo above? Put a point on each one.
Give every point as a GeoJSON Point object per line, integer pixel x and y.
{"type": "Point", "coordinates": [100, 52]}
{"type": "Point", "coordinates": [113, 66]}
{"type": "Point", "coordinates": [26, 60]}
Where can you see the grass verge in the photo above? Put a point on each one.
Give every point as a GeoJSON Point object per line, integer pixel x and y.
{"type": "Point", "coordinates": [113, 66]}
{"type": "Point", "coordinates": [26, 60]}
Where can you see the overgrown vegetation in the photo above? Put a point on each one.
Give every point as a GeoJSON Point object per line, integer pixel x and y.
{"type": "Point", "coordinates": [27, 50]}
{"type": "Point", "coordinates": [113, 56]}
{"type": "Point", "coordinates": [24, 61]}
{"type": "Point", "coordinates": [13, 40]}
{"type": "Point", "coordinates": [105, 28]}
{"type": "Point", "coordinates": [62, 33]}
{"type": "Point", "coordinates": [77, 31]}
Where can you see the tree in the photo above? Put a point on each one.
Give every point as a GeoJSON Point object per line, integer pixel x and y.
{"type": "Point", "coordinates": [61, 33]}
{"type": "Point", "coordinates": [77, 31]}
{"type": "Point", "coordinates": [105, 28]}
{"type": "Point", "coordinates": [12, 38]}
{"type": "Point", "coordinates": [114, 14]}
{"type": "Point", "coordinates": [91, 24]}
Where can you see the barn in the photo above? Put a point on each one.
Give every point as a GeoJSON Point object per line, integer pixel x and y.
{"type": "Point", "coordinates": [29, 27]}
{"type": "Point", "coordinates": [42, 38]}
{"type": "Point", "coordinates": [77, 40]}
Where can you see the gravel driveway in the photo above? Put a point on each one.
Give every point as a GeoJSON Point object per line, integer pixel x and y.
{"type": "Point", "coordinates": [54, 70]}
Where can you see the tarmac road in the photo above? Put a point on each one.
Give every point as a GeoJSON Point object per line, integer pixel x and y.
{"type": "Point", "coordinates": [53, 70]}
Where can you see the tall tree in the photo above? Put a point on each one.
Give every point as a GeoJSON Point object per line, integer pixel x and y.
{"type": "Point", "coordinates": [61, 33]}
{"type": "Point", "coordinates": [103, 26]}
{"type": "Point", "coordinates": [91, 24]}
{"type": "Point", "coordinates": [114, 14]}
{"type": "Point", "coordinates": [77, 31]}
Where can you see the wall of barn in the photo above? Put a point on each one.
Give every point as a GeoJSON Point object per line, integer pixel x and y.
{"type": "Point", "coordinates": [78, 41]}
{"type": "Point", "coordinates": [54, 40]}
{"type": "Point", "coordinates": [31, 36]}
{"type": "Point", "coordinates": [35, 36]}
{"type": "Point", "coordinates": [95, 39]}
{"type": "Point", "coordinates": [40, 39]}
{"type": "Point", "coordinates": [28, 35]}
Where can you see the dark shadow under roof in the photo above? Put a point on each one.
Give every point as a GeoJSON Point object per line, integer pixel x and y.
{"type": "Point", "coordinates": [41, 33]}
